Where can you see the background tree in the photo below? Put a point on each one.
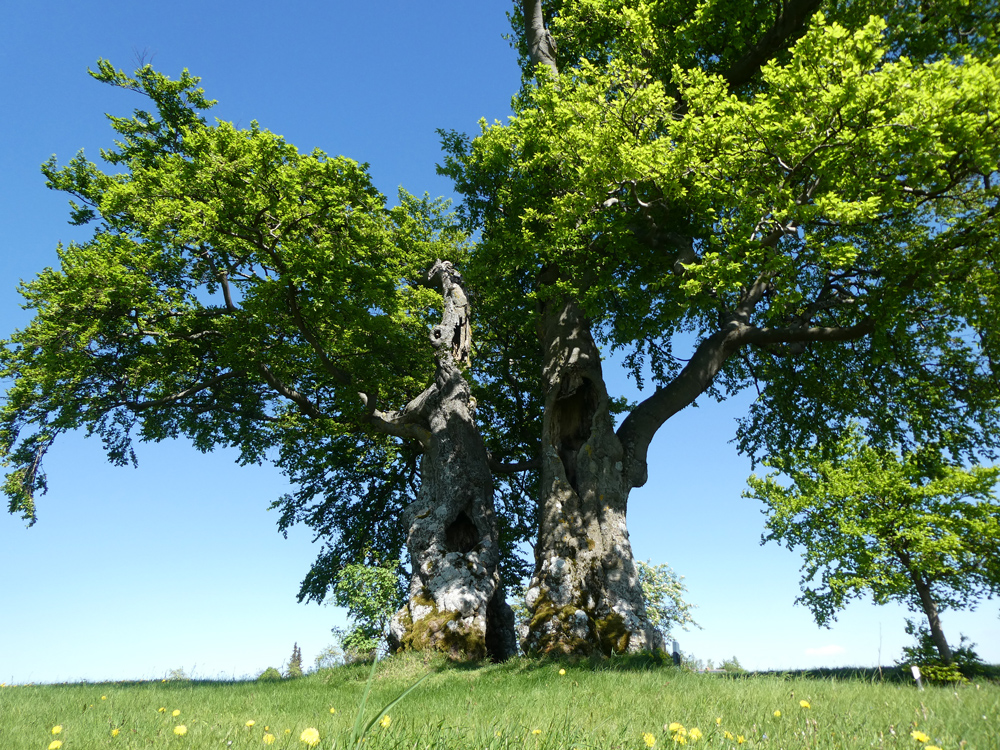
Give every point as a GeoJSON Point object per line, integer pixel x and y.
{"type": "Point", "coordinates": [906, 527]}
{"type": "Point", "coordinates": [663, 591]}
{"type": "Point", "coordinates": [240, 293]}
{"type": "Point", "coordinates": [798, 196]}
{"type": "Point", "coordinates": [371, 594]}
{"type": "Point", "coordinates": [294, 663]}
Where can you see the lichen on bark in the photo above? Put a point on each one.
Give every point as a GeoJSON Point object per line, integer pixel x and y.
{"type": "Point", "coordinates": [456, 601]}
{"type": "Point", "coordinates": [585, 594]}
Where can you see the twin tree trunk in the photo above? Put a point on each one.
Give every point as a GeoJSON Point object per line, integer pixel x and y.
{"type": "Point", "coordinates": [456, 600]}
{"type": "Point", "coordinates": [584, 595]}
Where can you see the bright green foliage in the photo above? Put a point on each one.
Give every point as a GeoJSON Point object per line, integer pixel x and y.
{"type": "Point", "coordinates": [371, 594]}
{"type": "Point", "coordinates": [664, 591]}
{"type": "Point", "coordinates": [240, 293]}
{"type": "Point", "coordinates": [717, 35]}
{"type": "Point", "coordinates": [269, 675]}
{"type": "Point", "coordinates": [842, 190]}
{"type": "Point", "coordinates": [870, 521]}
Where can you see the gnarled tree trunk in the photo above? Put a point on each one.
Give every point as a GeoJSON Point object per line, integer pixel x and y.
{"type": "Point", "coordinates": [456, 601]}
{"type": "Point", "coordinates": [585, 593]}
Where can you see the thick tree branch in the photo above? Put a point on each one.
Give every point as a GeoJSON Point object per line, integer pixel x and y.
{"type": "Point", "coordinates": [516, 468]}
{"type": "Point", "coordinates": [638, 429]}
{"type": "Point", "coordinates": [641, 425]}
{"type": "Point", "coordinates": [454, 332]}
{"type": "Point", "coordinates": [137, 406]}
{"type": "Point", "coordinates": [789, 26]}
{"type": "Point", "coordinates": [395, 423]}
{"type": "Point", "coordinates": [541, 45]}
{"type": "Point", "coordinates": [815, 334]}
{"type": "Point", "coordinates": [308, 407]}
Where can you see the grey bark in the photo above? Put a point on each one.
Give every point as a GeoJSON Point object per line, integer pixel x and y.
{"type": "Point", "coordinates": [456, 601]}
{"type": "Point", "coordinates": [541, 45]}
{"type": "Point", "coordinates": [933, 619]}
{"type": "Point", "coordinates": [585, 593]}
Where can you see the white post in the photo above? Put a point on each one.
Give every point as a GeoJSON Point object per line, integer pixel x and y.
{"type": "Point", "coordinates": [916, 676]}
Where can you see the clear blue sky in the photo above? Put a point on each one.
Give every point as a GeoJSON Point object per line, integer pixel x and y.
{"type": "Point", "coordinates": [130, 573]}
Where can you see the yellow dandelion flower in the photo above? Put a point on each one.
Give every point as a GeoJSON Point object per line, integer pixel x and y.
{"type": "Point", "coordinates": [104, 697]}
{"type": "Point", "coordinates": [919, 736]}
{"type": "Point", "coordinates": [333, 710]}
{"type": "Point", "coordinates": [695, 734]}
{"type": "Point", "coordinates": [161, 710]}
{"type": "Point", "coordinates": [674, 726]}
{"type": "Point", "coordinates": [680, 739]}
{"type": "Point", "coordinates": [114, 732]}
{"type": "Point", "coordinates": [175, 712]}
{"type": "Point", "coordinates": [804, 704]}
{"type": "Point", "coordinates": [288, 731]}
{"type": "Point", "coordinates": [55, 745]}
{"type": "Point", "coordinates": [268, 739]}
{"type": "Point", "coordinates": [180, 730]}
{"type": "Point", "coordinates": [727, 734]}
{"type": "Point", "coordinates": [932, 747]}
{"type": "Point", "coordinates": [649, 739]}
{"type": "Point", "coordinates": [251, 723]}
{"type": "Point", "coordinates": [718, 721]}
{"type": "Point", "coordinates": [740, 739]}
{"type": "Point", "coordinates": [562, 671]}
{"type": "Point", "coordinates": [777, 714]}
{"type": "Point", "coordinates": [385, 721]}
{"type": "Point", "coordinates": [309, 736]}
{"type": "Point", "coordinates": [497, 733]}
{"type": "Point", "coordinates": [536, 731]}
{"type": "Point", "coordinates": [57, 729]}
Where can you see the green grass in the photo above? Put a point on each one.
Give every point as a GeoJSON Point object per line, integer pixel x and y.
{"type": "Point", "coordinates": [523, 705]}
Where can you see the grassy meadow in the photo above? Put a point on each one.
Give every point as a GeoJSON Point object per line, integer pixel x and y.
{"type": "Point", "coordinates": [524, 704]}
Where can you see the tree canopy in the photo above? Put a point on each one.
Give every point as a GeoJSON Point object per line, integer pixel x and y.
{"type": "Point", "coordinates": [236, 292]}
{"type": "Point", "coordinates": [839, 189]}
{"type": "Point", "coordinates": [797, 197]}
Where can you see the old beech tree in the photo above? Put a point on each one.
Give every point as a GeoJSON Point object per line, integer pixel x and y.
{"type": "Point", "coordinates": [240, 293]}
{"type": "Point", "coordinates": [796, 196]}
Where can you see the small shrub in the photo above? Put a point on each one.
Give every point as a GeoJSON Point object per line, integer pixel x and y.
{"type": "Point", "coordinates": [269, 675]}
{"type": "Point", "coordinates": [965, 662]}
{"type": "Point", "coordinates": [943, 674]}
{"type": "Point", "coordinates": [177, 675]}
{"type": "Point", "coordinates": [371, 594]}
